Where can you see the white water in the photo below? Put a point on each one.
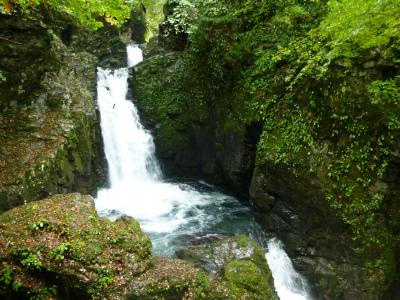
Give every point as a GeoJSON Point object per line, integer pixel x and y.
{"type": "Point", "coordinates": [289, 285]}
{"type": "Point", "coordinates": [166, 211]}
{"type": "Point", "coordinates": [170, 213]}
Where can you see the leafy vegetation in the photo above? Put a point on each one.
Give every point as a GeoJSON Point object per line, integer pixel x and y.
{"type": "Point", "coordinates": [2, 77]}
{"type": "Point", "coordinates": [322, 78]}
{"type": "Point", "coordinates": [91, 13]}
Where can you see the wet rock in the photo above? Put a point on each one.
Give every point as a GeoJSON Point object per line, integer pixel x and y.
{"type": "Point", "coordinates": [176, 279]}
{"type": "Point", "coordinates": [107, 44]}
{"type": "Point", "coordinates": [190, 142]}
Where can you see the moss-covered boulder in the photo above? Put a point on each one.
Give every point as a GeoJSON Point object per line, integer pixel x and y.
{"type": "Point", "coordinates": [176, 279]}
{"type": "Point", "coordinates": [59, 246]}
{"type": "Point", "coordinates": [239, 262]}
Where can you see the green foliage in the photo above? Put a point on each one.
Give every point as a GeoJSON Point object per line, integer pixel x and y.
{"type": "Point", "coordinates": [7, 280]}
{"type": "Point", "coordinates": [91, 13]}
{"type": "Point", "coordinates": [2, 77]}
{"type": "Point", "coordinates": [354, 111]}
{"type": "Point", "coordinates": [45, 293]}
{"type": "Point", "coordinates": [30, 260]}
{"type": "Point", "coordinates": [105, 278]}
{"type": "Point", "coordinates": [322, 78]}
{"type": "Point", "coordinates": [40, 225]}
{"type": "Point", "coordinates": [181, 19]}
{"type": "Point", "coordinates": [5, 276]}
{"type": "Point", "coordinates": [359, 25]}
{"type": "Point", "coordinates": [62, 250]}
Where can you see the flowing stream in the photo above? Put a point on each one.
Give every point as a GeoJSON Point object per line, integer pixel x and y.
{"type": "Point", "coordinates": [173, 214]}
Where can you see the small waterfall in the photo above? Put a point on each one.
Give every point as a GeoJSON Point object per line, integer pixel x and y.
{"type": "Point", "coordinates": [289, 284]}
{"type": "Point", "coordinates": [135, 55]}
{"type": "Point", "coordinates": [171, 213]}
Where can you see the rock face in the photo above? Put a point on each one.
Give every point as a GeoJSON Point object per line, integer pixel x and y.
{"type": "Point", "coordinates": [189, 139]}
{"type": "Point", "coordinates": [193, 143]}
{"type": "Point", "coordinates": [49, 134]}
{"type": "Point", "coordinates": [320, 245]}
{"type": "Point", "coordinates": [60, 248]}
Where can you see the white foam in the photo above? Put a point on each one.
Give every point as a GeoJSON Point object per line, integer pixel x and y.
{"type": "Point", "coordinates": [289, 284]}
{"type": "Point", "coordinates": [135, 55]}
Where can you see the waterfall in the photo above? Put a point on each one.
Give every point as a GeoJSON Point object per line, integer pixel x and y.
{"type": "Point", "coordinates": [172, 214]}
{"type": "Point", "coordinates": [289, 284]}
{"type": "Point", "coordinates": [129, 148]}
{"type": "Point", "coordinates": [166, 211]}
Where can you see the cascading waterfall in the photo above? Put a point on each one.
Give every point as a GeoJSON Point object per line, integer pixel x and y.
{"type": "Point", "coordinates": [171, 213]}
{"type": "Point", "coordinates": [288, 283]}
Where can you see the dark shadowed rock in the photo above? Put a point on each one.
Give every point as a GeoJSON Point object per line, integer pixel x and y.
{"type": "Point", "coordinates": [318, 242]}
{"type": "Point", "coordinates": [49, 129]}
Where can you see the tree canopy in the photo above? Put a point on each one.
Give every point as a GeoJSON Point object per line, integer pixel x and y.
{"type": "Point", "coordinates": [92, 13]}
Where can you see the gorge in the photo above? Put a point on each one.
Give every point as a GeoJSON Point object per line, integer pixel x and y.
{"type": "Point", "coordinates": [274, 120]}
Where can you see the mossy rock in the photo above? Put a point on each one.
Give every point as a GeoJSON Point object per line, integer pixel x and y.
{"type": "Point", "coordinates": [161, 99]}
{"type": "Point", "coordinates": [245, 277]}
{"type": "Point", "coordinates": [60, 246]}
{"type": "Point", "coordinates": [213, 258]}
{"type": "Point", "coordinates": [176, 279]}
{"type": "Point", "coordinates": [239, 262]}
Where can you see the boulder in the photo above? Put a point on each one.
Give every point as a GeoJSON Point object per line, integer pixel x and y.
{"type": "Point", "coordinates": [239, 261]}
{"type": "Point", "coordinates": [176, 279]}
{"type": "Point", "coordinates": [59, 247]}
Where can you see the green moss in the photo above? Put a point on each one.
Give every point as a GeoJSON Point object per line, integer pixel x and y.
{"type": "Point", "coordinates": [5, 276]}
{"type": "Point", "coordinates": [29, 260]}
{"type": "Point", "coordinates": [245, 277]}
{"type": "Point", "coordinates": [174, 279]}
{"type": "Point", "coordinates": [71, 245]}
{"type": "Point", "coordinates": [171, 105]}
{"type": "Point", "coordinates": [154, 16]}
